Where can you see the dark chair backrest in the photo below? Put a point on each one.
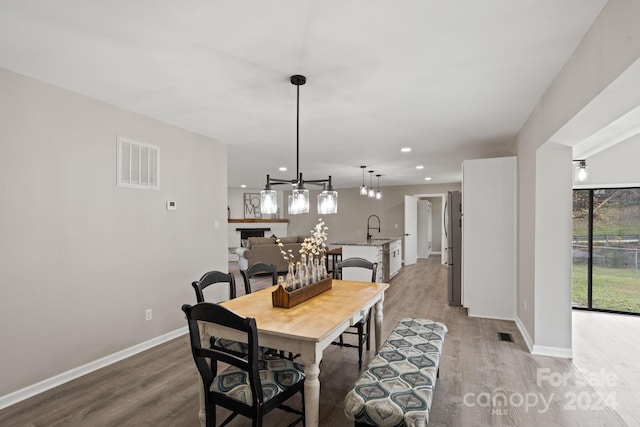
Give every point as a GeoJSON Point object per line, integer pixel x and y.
{"type": "Point", "coordinates": [355, 262]}
{"type": "Point", "coordinates": [212, 277]}
{"type": "Point", "coordinates": [258, 268]}
{"type": "Point", "coordinates": [207, 358]}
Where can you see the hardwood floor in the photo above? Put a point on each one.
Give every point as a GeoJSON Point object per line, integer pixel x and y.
{"type": "Point", "coordinates": [605, 350]}
{"type": "Point", "coordinates": [483, 381]}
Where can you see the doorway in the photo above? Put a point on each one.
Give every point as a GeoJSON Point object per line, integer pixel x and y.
{"type": "Point", "coordinates": [438, 239]}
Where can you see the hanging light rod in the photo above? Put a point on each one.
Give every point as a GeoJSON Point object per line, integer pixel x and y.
{"type": "Point", "coordinates": [372, 192]}
{"type": "Point", "coordinates": [363, 188]}
{"type": "Point", "coordinates": [299, 199]}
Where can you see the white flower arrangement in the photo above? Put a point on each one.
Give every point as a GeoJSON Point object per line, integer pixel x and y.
{"type": "Point", "coordinates": [316, 244]}
{"type": "Point", "coordinates": [288, 256]}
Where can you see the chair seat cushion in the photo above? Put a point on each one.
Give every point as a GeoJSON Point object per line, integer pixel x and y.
{"type": "Point", "coordinates": [397, 387]}
{"type": "Point", "coordinates": [276, 375]}
{"type": "Point", "coordinates": [231, 345]}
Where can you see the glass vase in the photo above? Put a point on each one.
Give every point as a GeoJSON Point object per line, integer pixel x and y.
{"type": "Point", "coordinates": [316, 271]}
{"type": "Point", "coordinates": [300, 274]}
{"type": "Point", "coordinates": [290, 277]}
{"type": "Point", "coordinates": [323, 268]}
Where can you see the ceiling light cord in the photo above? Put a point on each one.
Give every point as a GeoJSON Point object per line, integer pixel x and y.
{"type": "Point", "coordinates": [363, 188]}
{"type": "Point", "coordinates": [297, 130]}
{"type": "Point", "coordinates": [299, 198]}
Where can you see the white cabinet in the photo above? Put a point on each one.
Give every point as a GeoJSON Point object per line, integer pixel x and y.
{"type": "Point", "coordinates": [489, 237]}
{"type": "Point", "coordinates": [368, 252]}
{"type": "Point", "coordinates": [387, 253]}
{"type": "Point", "coordinates": [395, 258]}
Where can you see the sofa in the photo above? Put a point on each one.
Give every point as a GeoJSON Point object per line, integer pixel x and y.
{"type": "Point", "coordinates": [266, 250]}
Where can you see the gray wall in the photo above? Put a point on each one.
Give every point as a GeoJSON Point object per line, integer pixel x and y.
{"type": "Point", "coordinates": [350, 223]}
{"type": "Point", "coordinates": [82, 258]}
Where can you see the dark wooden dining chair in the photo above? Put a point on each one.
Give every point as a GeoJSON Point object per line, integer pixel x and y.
{"type": "Point", "coordinates": [258, 268]}
{"type": "Point", "coordinates": [219, 278]}
{"type": "Point", "coordinates": [211, 278]}
{"type": "Point", "coordinates": [250, 386]}
{"type": "Point", "coordinates": [262, 268]}
{"type": "Point", "coordinates": [363, 328]}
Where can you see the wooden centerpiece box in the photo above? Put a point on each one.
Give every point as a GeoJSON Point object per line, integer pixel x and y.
{"type": "Point", "coordinates": [287, 299]}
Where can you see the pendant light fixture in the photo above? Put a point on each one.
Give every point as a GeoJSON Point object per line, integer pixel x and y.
{"type": "Point", "coordinates": [299, 198]}
{"type": "Point", "coordinates": [372, 192]}
{"type": "Point", "coordinates": [363, 188]}
{"type": "Point", "coordinates": [378, 194]}
{"type": "Point", "coordinates": [581, 171]}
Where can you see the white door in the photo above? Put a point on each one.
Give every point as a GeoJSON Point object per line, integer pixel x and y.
{"type": "Point", "coordinates": [429, 231]}
{"type": "Point", "coordinates": [410, 229]}
{"type": "Point", "coordinates": [444, 255]}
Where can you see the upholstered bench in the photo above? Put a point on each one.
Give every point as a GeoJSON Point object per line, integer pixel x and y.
{"type": "Point", "coordinates": [397, 387]}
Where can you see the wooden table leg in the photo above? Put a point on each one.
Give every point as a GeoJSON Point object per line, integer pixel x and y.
{"type": "Point", "coordinates": [378, 323]}
{"type": "Point", "coordinates": [312, 394]}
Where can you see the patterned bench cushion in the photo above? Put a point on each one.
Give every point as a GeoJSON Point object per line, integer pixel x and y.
{"type": "Point", "coordinates": [397, 387]}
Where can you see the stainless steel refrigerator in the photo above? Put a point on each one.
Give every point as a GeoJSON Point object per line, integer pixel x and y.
{"type": "Point", "coordinates": [453, 232]}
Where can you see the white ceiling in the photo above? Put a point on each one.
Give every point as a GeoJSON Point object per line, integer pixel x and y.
{"type": "Point", "coordinates": [454, 80]}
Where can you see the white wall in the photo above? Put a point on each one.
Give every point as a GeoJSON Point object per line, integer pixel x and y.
{"type": "Point", "coordinates": [82, 258]}
{"type": "Point", "coordinates": [425, 229]}
{"type": "Point", "coordinates": [609, 48]}
{"type": "Point", "coordinates": [489, 237]}
{"type": "Point", "coordinates": [553, 233]}
{"type": "Point", "coordinates": [617, 166]}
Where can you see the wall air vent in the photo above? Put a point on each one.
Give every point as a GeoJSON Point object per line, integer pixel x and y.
{"type": "Point", "coordinates": [138, 164]}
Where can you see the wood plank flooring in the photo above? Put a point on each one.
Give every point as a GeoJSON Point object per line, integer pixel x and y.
{"type": "Point", "coordinates": [483, 381]}
{"type": "Point", "coordinates": [605, 350]}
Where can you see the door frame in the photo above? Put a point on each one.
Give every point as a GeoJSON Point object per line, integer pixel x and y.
{"type": "Point", "coordinates": [443, 238]}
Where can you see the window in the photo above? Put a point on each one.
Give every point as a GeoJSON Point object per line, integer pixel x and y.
{"type": "Point", "coordinates": [606, 249]}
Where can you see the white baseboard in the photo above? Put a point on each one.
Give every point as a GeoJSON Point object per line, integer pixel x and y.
{"type": "Point", "coordinates": [470, 313]}
{"type": "Point", "coordinates": [525, 334]}
{"type": "Point", "coordinates": [541, 350]}
{"type": "Point", "coordinates": [72, 374]}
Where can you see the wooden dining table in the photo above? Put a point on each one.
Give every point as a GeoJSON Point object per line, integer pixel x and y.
{"type": "Point", "coordinates": [306, 329]}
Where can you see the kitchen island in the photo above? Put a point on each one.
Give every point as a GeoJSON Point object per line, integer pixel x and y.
{"type": "Point", "coordinates": [387, 252]}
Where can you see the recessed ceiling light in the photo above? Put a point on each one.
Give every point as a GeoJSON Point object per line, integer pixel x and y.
{"type": "Point", "coordinates": [419, 167]}
{"type": "Point", "coordinates": [428, 178]}
{"type": "Point", "coordinates": [405, 149]}
{"type": "Point", "coordinates": [243, 186]}
{"type": "Point", "coordinates": [282, 169]}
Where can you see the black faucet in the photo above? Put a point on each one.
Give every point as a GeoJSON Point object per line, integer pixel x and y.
{"type": "Point", "coordinates": [372, 228]}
